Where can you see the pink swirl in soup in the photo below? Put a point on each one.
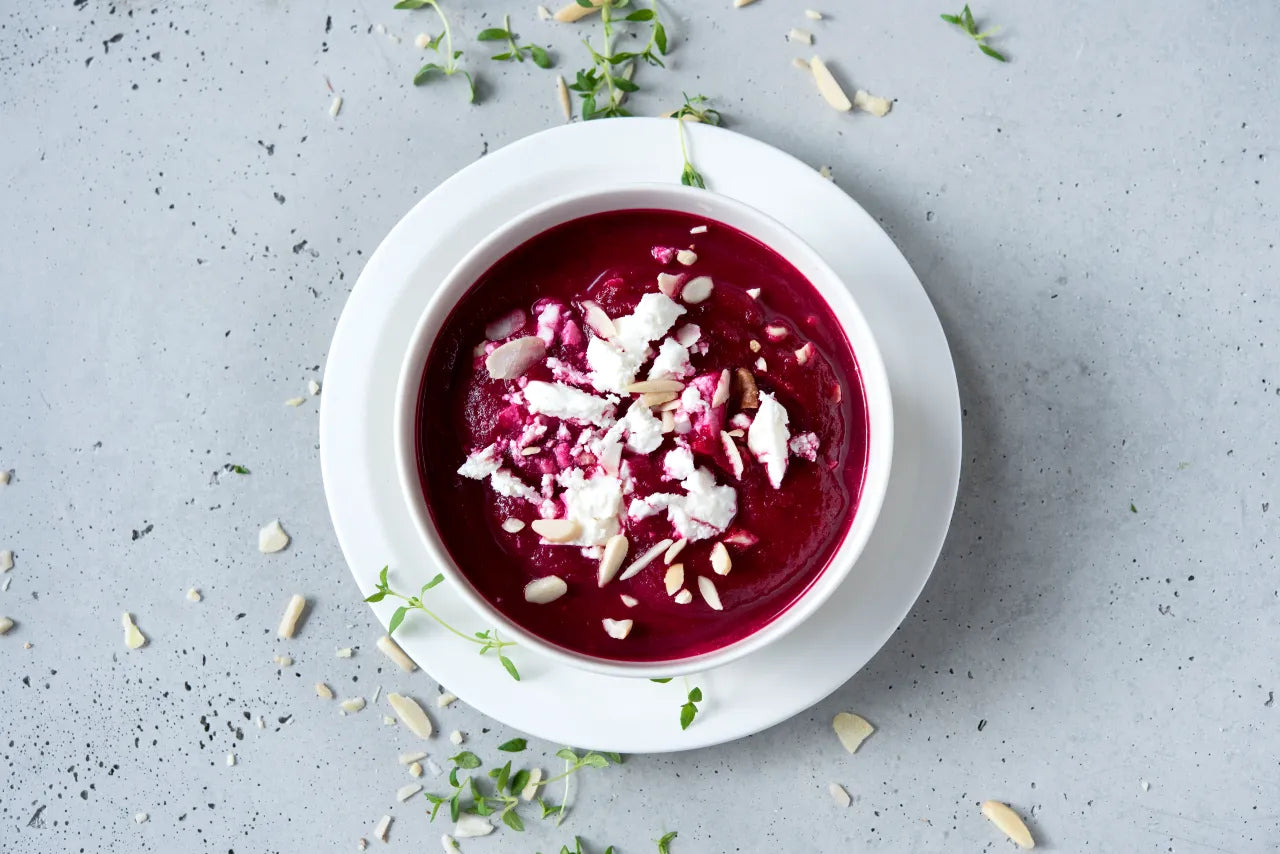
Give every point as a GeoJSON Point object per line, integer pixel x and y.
{"type": "Point", "coordinates": [642, 435]}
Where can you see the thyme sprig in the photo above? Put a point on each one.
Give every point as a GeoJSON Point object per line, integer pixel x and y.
{"type": "Point", "coordinates": [965, 22]}
{"type": "Point", "coordinates": [447, 59]}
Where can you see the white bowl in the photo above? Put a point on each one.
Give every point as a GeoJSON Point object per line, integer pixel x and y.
{"type": "Point", "coordinates": [672, 197]}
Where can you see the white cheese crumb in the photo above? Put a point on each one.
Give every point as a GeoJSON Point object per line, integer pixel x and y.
{"type": "Point", "coordinates": [562, 401]}
{"type": "Point", "coordinates": [768, 436]}
{"type": "Point", "coordinates": [839, 795]}
{"type": "Point", "coordinates": [292, 613]}
{"type": "Point", "coordinates": [6, 560]}
{"type": "Point", "coordinates": [193, 595]}
{"type": "Point", "coordinates": [544, 13]}
{"type": "Point", "coordinates": [335, 106]}
{"type": "Point", "coordinates": [761, 365]}
{"type": "Point", "coordinates": [272, 538]}
{"type": "Point", "coordinates": [422, 41]}
{"type": "Point", "coordinates": [698, 229]}
{"type": "Point", "coordinates": [825, 172]}
{"type": "Point", "coordinates": [457, 737]}
{"type": "Point", "coordinates": [261, 724]}
{"type": "Point", "coordinates": [446, 699]}
{"type": "Point", "coordinates": [7, 580]}
{"type": "Point", "coordinates": [1146, 786]}
{"type": "Point", "coordinates": [754, 293]}
{"type": "Point", "coordinates": [383, 826]}
{"type": "Point", "coordinates": [141, 817]}
{"type": "Point", "coordinates": [231, 759]}
{"type": "Point", "coordinates": [313, 387]}
{"type": "Point", "coordinates": [133, 636]}
{"type": "Point", "coordinates": [800, 36]}
{"type": "Point", "coordinates": [295, 401]}
{"type": "Point", "coordinates": [406, 792]}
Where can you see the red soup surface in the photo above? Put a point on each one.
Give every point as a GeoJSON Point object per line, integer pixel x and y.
{"type": "Point", "coordinates": [746, 440]}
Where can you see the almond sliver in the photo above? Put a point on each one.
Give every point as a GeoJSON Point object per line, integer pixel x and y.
{"type": "Point", "coordinates": [615, 551]}
{"type": "Point", "coordinates": [1009, 822]}
{"type": "Point", "coordinates": [828, 86]}
{"type": "Point", "coordinates": [556, 530]}
{"type": "Point", "coordinates": [515, 357]}
{"type": "Point", "coordinates": [393, 651]}
{"type": "Point", "coordinates": [839, 795]}
{"type": "Point", "coordinates": [852, 730]}
{"type": "Point", "coordinates": [412, 715]}
{"type": "Point", "coordinates": [645, 559]}
{"type": "Point", "coordinates": [540, 591]}
{"type": "Point", "coordinates": [571, 12]}
{"type": "Point", "coordinates": [707, 588]}
{"type": "Point", "coordinates": [654, 387]}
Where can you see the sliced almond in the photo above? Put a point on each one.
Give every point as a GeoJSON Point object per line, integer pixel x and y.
{"type": "Point", "coordinates": [747, 391]}
{"type": "Point", "coordinates": [133, 636]}
{"type": "Point", "coordinates": [392, 650]}
{"type": "Point", "coordinates": [283, 661]}
{"type": "Point", "coordinates": [805, 353]}
{"type": "Point", "coordinates": [761, 365]}
{"type": "Point", "coordinates": [800, 63]}
{"type": "Point", "coordinates": [323, 691]}
{"type": "Point", "coordinates": [595, 317]}
{"type": "Point", "coordinates": [827, 85]}
{"type": "Point", "coordinates": [345, 652]}
{"type": "Point", "coordinates": [422, 41]}
{"type": "Point", "coordinates": [669, 284]}
{"type": "Point", "coordinates": [410, 758]}
{"type": "Point", "coordinates": [446, 699]}
{"type": "Point", "coordinates": [352, 705]}
{"type": "Point", "coordinates": [6, 560]}
{"type": "Point", "coordinates": [721, 395]}
{"type": "Point", "coordinates": [512, 526]}
{"type": "Point", "coordinates": [732, 453]}
{"type": "Point", "coordinates": [839, 795]}
{"type": "Point", "coordinates": [645, 559]}
{"type": "Point", "coordinates": [629, 601]}
{"type": "Point", "coordinates": [457, 737]}
{"type": "Point", "coordinates": [836, 393]}
{"type": "Point", "coordinates": [530, 791]}
{"type": "Point", "coordinates": [617, 629]}
{"type": "Point", "coordinates": [737, 433]}
{"type": "Point", "coordinates": [669, 406]}
{"type": "Point", "coordinates": [272, 538]}
{"type": "Point", "coordinates": [193, 595]}
{"type": "Point", "coordinates": [509, 324]}
{"type": "Point", "coordinates": [415, 769]}
{"type": "Point", "coordinates": [292, 613]}
{"type": "Point", "coordinates": [615, 551]}
{"type": "Point", "coordinates": [295, 401]}
{"type": "Point", "coordinates": [721, 563]}
{"type": "Point", "coordinates": [544, 14]}
{"type": "Point", "coordinates": [873, 104]}
{"type": "Point", "coordinates": [1009, 822]}
{"type": "Point", "coordinates": [562, 95]}
{"type": "Point", "coordinates": [675, 550]}
{"type": "Point", "coordinates": [755, 345]}
{"type": "Point", "coordinates": [412, 714]}
{"type": "Point", "coordinates": [674, 579]}
{"type": "Point", "coordinates": [697, 289]}
{"type": "Point", "coordinates": [668, 421]}
{"type": "Point", "coordinates": [6, 623]}
{"type": "Point", "coordinates": [687, 257]}
{"type": "Point", "coordinates": [813, 15]}
{"type": "Point", "coordinates": [657, 398]}
{"type": "Point", "coordinates": [684, 597]}
{"type": "Point", "coordinates": [406, 792]}
{"type": "Point", "coordinates": [557, 530]}
{"type": "Point", "coordinates": [800, 36]}
{"type": "Point", "coordinates": [571, 12]}
{"type": "Point", "coordinates": [852, 730]}
{"type": "Point", "coordinates": [654, 386]}
{"type": "Point", "coordinates": [707, 588]}
{"type": "Point", "coordinates": [530, 451]}
{"type": "Point", "coordinates": [738, 4]}
{"type": "Point", "coordinates": [383, 826]}
{"type": "Point", "coordinates": [540, 591]}
{"type": "Point", "coordinates": [754, 293]}
{"type": "Point", "coordinates": [698, 229]}
{"type": "Point", "coordinates": [4, 477]}
{"type": "Point", "coordinates": [515, 357]}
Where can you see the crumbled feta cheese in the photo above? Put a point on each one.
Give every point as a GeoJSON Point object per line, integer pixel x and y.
{"type": "Point", "coordinates": [654, 316]}
{"type": "Point", "coordinates": [805, 446]}
{"type": "Point", "coordinates": [505, 483]}
{"type": "Point", "coordinates": [704, 511]}
{"type": "Point", "coordinates": [481, 464]}
{"type": "Point", "coordinates": [644, 430]}
{"type": "Point", "coordinates": [677, 464]}
{"type": "Point", "coordinates": [549, 320]}
{"type": "Point", "coordinates": [457, 737]}
{"type": "Point", "coordinates": [593, 503]}
{"type": "Point", "coordinates": [688, 334]}
{"type": "Point", "coordinates": [672, 361]}
{"type": "Point", "coordinates": [562, 401]}
{"type": "Point", "coordinates": [767, 438]}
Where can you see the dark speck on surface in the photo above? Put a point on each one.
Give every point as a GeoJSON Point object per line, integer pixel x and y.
{"type": "Point", "coordinates": [139, 534]}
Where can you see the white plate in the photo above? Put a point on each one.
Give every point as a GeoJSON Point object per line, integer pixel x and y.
{"type": "Point", "coordinates": [562, 704]}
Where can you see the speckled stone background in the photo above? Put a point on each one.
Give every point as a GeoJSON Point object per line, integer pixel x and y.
{"type": "Point", "coordinates": [181, 221]}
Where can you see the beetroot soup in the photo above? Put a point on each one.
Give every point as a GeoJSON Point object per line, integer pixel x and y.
{"type": "Point", "coordinates": [642, 435]}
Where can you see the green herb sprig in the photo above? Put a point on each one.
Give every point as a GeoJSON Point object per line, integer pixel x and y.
{"type": "Point", "coordinates": [604, 86]}
{"type": "Point", "coordinates": [664, 844]}
{"type": "Point", "coordinates": [488, 640]}
{"type": "Point", "coordinates": [447, 62]}
{"type": "Point", "coordinates": [577, 848]}
{"type": "Point", "coordinates": [693, 109]}
{"type": "Point", "coordinates": [965, 22]}
{"type": "Point", "coordinates": [689, 710]}
{"type": "Point", "coordinates": [514, 52]}
{"type": "Point", "coordinates": [236, 467]}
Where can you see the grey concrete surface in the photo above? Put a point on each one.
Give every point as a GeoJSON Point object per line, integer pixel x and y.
{"type": "Point", "coordinates": [1096, 221]}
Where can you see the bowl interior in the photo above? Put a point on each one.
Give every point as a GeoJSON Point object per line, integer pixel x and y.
{"type": "Point", "coordinates": [753, 223]}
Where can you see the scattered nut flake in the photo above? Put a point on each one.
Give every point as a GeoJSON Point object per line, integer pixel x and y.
{"type": "Point", "coordinates": [761, 365]}
{"type": "Point", "coordinates": [645, 559]}
{"type": "Point", "coordinates": [825, 172]}
{"type": "Point", "coordinates": [457, 737]}
{"type": "Point", "coordinates": [231, 759]}
{"type": "Point", "coordinates": [674, 579]}
{"type": "Point", "coordinates": [283, 661]}
{"type": "Point", "coordinates": [573, 12]}
{"type": "Point", "coordinates": [669, 284]}
{"type": "Point", "coordinates": [684, 597]}
{"type": "Point", "coordinates": [698, 229]}
{"type": "Point", "coordinates": [260, 723]}
{"type": "Point", "coordinates": [513, 358]}
{"type": "Point", "coordinates": [141, 817]}
{"type": "Point", "coordinates": [410, 758]}
{"type": "Point", "coordinates": [836, 393]}
{"type": "Point", "coordinates": [513, 526]}
{"type": "Point", "coordinates": [422, 41]}
{"type": "Point", "coordinates": [852, 730]}
{"type": "Point", "coordinates": [384, 825]}
{"type": "Point", "coordinates": [377, 692]}
{"type": "Point", "coordinates": [6, 623]}
{"type": "Point", "coordinates": [4, 477]}
{"type": "Point", "coordinates": [549, 588]}
{"type": "Point", "coordinates": [873, 104]}
{"type": "Point", "coordinates": [324, 691]}
{"type": "Point", "coordinates": [805, 353]}
{"type": "Point", "coordinates": [272, 538]}
{"type": "Point", "coordinates": [812, 15]}
{"type": "Point", "coordinates": [738, 4]}
{"type": "Point", "coordinates": [133, 637]}
{"type": "Point", "coordinates": [697, 290]}
{"type": "Point", "coordinates": [629, 601]}
{"type": "Point", "coordinates": [6, 560]}
{"type": "Point", "coordinates": [345, 652]}
{"type": "Point", "coordinates": [839, 795]}
{"type": "Point", "coordinates": [651, 399]}
{"type": "Point", "coordinates": [295, 401]}
{"type": "Point", "coordinates": [416, 769]}
{"type": "Point", "coordinates": [615, 552]}
{"type": "Point", "coordinates": [732, 453]}
{"type": "Point", "coordinates": [776, 333]}
{"type": "Point", "coordinates": [668, 421]}
{"type": "Point", "coordinates": [194, 595]}
{"type": "Point", "coordinates": [596, 318]}
{"type": "Point", "coordinates": [799, 63]}
{"type": "Point", "coordinates": [1146, 786]}
{"type": "Point", "coordinates": [755, 345]}
{"type": "Point", "coordinates": [800, 36]}
{"type": "Point", "coordinates": [544, 13]}
{"type": "Point", "coordinates": [313, 387]}
{"type": "Point", "coordinates": [5, 585]}
{"type": "Point", "coordinates": [335, 106]}
{"type": "Point", "coordinates": [469, 825]}
{"type": "Point", "coordinates": [748, 392]}
{"type": "Point", "coordinates": [353, 704]}
{"type": "Point", "coordinates": [557, 530]}
{"type": "Point", "coordinates": [687, 257]}
{"type": "Point", "coordinates": [412, 715]}
{"type": "Point", "coordinates": [754, 293]}
{"type": "Point", "coordinates": [675, 550]}
{"type": "Point", "coordinates": [720, 560]}
{"type": "Point", "coordinates": [393, 651]}
{"type": "Point", "coordinates": [530, 791]}
{"type": "Point", "coordinates": [446, 699]}
{"type": "Point", "coordinates": [707, 588]}
{"type": "Point", "coordinates": [828, 87]}
{"type": "Point", "coordinates": [387, 720]}
{"type": "Point", "coordinates": [1009, 823]}
{"type": "Point", "coordinates": [406, 792]}
{"type": "Point", "coordinates": [292, 611]}
{"type": "Point", "coordinates": [654, 387]}
{"type": "Point", "coordinates": [617, 629]}
{"type": "Point", "coordinates": [362, 843]}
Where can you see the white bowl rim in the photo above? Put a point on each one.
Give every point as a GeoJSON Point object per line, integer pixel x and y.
{"type": "Point", "coordinates": [653, 196]}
